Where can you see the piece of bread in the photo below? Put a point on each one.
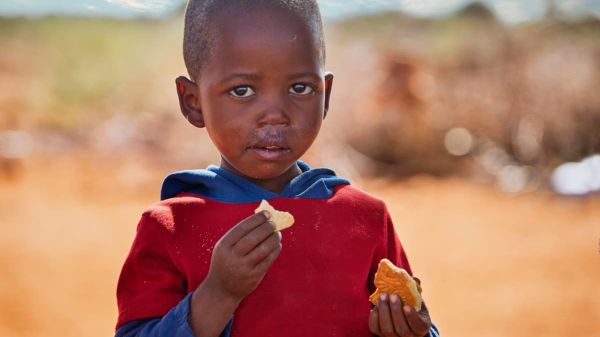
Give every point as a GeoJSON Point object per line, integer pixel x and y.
{"type": "Point", "coordinates": [282, 220]}
{"type": "Point", "coordinates": [390, 279]}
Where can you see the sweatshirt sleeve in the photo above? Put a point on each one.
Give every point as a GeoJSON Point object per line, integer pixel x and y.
{"type": "Point", "coordinates": [395, 253]}
{"type": "Point", "coordinates": [152, 293]}
{"type": "Point", "coordinates": [433, 332]}
{"type": "Point", "coordinates": [393, 249]}
{"type": "Point", "coordinates": [150, 284]}
{"type": "Point", "coordinates": [174, 324]}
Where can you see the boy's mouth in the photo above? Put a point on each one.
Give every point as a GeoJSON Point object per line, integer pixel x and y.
{"type": "Point", "coordinates": [269, 144]}
{"type": "Point", "coordinates": [270, 148]}
{"type": "Point", "coordinates": [270, 152]}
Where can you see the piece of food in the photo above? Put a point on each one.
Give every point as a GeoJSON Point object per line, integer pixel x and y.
{"type": "Point", "coordinates": [282, 220]}
{"type": "Point", "coordinates": [390, 279]}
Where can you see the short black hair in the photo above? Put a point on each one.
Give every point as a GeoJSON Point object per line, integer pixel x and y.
{"type": "Point", "coordinates": [198, 37]}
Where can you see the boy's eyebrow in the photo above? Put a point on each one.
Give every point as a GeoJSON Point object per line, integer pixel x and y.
{"type": "Point", "coordinates": [247, 76]}
{"type": "Point", "coordinates": [305, 74]}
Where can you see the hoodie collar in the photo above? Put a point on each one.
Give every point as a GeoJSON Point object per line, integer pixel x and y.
{"type": "Point", "coordinates": [222, 185]}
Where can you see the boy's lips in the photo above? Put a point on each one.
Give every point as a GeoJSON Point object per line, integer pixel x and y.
{"type": "Point", "coordinates": [270, 149]}
{"type": "Point", "coordinates": [270, 144]}
{"type": "Point", "coordinates": [270, 152]}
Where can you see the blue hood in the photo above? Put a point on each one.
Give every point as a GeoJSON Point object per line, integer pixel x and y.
{"type": "Point", "coordinates": [219, 184]}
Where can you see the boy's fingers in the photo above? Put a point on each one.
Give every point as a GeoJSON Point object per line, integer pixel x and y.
{"type": "Point", "coordinates": [243, 227]}
{"type": "Point", "coordinates": [263, 250]}
{"type": "Point", "coordinates": [400, 325]}
{"type": "Point", "coordinates": [386, 325]}
{"type": "Point", "coordinates": [419, 322]}
{"type": "Point", "coordinates": [253, 238]}
{"type": "Point", "coordinates": [374, 321]}
{"type": "Point", "coordinates": [262, 267]}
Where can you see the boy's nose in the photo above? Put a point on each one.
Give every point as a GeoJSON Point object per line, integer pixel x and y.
{"type": "Point", "coordinates": [274, 112]}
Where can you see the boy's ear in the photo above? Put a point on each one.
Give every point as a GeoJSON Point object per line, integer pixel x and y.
{"type": "Point", "coordinates": [328, 85]}
{"type": "Point", "coordinates": [189, 101]}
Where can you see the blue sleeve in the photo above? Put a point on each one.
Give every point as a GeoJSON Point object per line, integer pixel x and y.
{"type": "Point", "coordinates": [433, 332]}
{"type": "Point", "coordinates": [174, 324]}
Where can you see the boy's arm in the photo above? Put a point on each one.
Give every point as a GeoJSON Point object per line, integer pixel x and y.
{"type": "Point", "coordinates": [151, 285]}
{"type": "Point", "coordinates": [151, 293]}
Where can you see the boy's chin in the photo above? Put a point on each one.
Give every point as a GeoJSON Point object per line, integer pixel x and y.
{"type": "Point", "coordinates": [264, 172]}
{"type": "Point", "coordinates": [270, 171]}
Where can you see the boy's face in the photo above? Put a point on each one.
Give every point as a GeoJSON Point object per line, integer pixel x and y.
{"type": "Point", "coordinates": [262, 94]}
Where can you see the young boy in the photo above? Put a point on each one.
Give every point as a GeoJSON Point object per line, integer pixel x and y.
{"type": "Point", "coordinates": [202, 263]}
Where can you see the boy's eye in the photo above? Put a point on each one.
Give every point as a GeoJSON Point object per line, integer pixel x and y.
{"type": "Point", "coordinates": [242, 91]}
{"type": "Point", "coordinates": [301, 89]}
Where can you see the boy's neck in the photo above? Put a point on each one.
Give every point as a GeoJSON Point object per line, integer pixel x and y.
{"type": "Point", "coordinates": [275, 185]}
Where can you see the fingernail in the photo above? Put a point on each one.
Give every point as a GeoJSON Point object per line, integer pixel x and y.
{"type": "Point", "coordinates": [266, 214]}
{"type": "Point", "coordinates": [383, 297]}
{"type": "Point", "coordinates": [407, 309]}
{"type": "Point", "coordinates": [394, 298]}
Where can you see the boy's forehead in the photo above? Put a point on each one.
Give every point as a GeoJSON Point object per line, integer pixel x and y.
{"type": "Point", "coordinates": [277, 27]}
{"type": "Point", "coordinates": [265, 16]}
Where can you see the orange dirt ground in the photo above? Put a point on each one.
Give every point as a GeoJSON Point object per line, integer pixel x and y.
{"type": "Point", "coordinates": [491, 264]}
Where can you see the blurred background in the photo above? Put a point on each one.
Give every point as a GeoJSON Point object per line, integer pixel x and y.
{"type": "Point", "coordinates": [477, 122]}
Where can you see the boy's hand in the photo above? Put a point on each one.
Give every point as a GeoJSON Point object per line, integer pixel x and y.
{"type": "Point", "coordinates": [243, 255]}
{"type": "Point", "coordinates": [391, 318]}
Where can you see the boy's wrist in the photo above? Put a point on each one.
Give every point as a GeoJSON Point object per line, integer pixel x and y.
{"type": "Point", "coordinates": [214, 295]}
{"type": "Point", "coordinates": [210, 310]}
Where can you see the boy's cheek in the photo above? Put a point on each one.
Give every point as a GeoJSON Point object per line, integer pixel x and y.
{"type": "Point", "coordinates": [311, 121]}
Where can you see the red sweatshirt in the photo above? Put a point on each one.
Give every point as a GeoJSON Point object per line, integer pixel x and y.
{"type": "Point", "coordinates": [318, 286]}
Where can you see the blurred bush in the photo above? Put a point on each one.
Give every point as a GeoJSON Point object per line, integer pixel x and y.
{"type": "Point", "coordinates": [477, 98]}
{"type": "Point", "coordinates": [92, 86]}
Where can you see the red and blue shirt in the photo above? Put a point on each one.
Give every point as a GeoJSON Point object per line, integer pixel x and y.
{"type": "Point", "coordinates": [318, 286]}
